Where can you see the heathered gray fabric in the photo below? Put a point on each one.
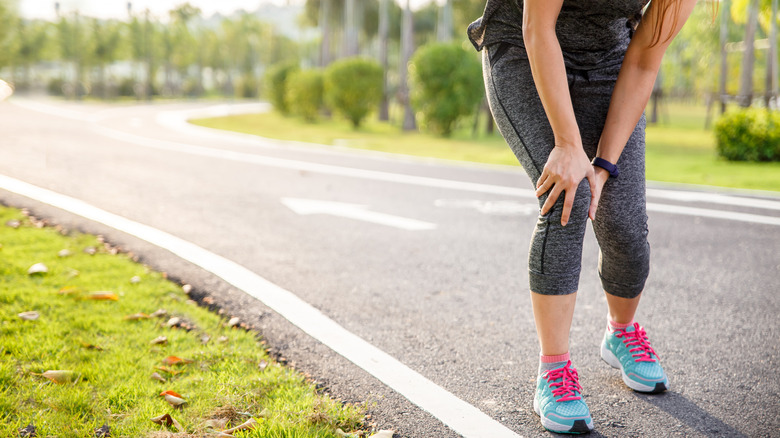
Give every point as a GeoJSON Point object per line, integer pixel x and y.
{"type": "Point", "coordinates": [592, 33]}
{"type": "Point", "coordinates": [621, 221]}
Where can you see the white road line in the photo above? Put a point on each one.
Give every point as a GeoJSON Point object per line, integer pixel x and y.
{"type": "Point", "coordinates": [460, 416]}
{"type": "Point", "coordinates": [400, 178]}
{"type": "Point", "coordinates": [355, 211]}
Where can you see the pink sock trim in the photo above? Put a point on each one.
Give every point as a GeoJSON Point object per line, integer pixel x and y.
{"type": "Point", "coordinates": [617, 325]}
{"type": "Point", "coordinates": [552, 359]}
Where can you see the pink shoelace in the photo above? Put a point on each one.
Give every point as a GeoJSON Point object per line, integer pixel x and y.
{"type": "Point", "coordinates": [569, 385]}
{"type": "Point", "coordinates": [642, 350]}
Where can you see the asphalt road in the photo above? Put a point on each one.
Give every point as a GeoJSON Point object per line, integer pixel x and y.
{"type": "Point", "coordinates": [448, 297]}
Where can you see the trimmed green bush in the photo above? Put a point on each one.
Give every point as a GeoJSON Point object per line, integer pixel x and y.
{"type": "Point", "coordinates": [353, 88]}
{"type": "Point", "coordinates": [304, 94]}
{"type": "Point", "coordinates": [446, 84]}
{"type": "Point", "coordinates": [275, 85]}
{"type": "Point", "coordinates": [751, 134]}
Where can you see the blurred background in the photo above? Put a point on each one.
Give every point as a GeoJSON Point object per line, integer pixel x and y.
{"type": "Point", "coordinates": [408, 61]}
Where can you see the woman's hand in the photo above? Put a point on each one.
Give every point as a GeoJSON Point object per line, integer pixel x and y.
{"type": "Point", "coordinates": [595, 195]}
{"type": "Point", "coordinates": [565, 169]}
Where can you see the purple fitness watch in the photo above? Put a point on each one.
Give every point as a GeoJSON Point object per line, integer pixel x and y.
{"type": "Point", "coordinates": [606, 165]}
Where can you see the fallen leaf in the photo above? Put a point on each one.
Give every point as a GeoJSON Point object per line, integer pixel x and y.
{"type": "Point", "coordinates": [58, 376]}
{"type": "Point", "coordinates": [174, 401]}
{"type": "Point", "coordinates": [103, 431]}
{"type": "Point", "coordinates": [64, 253]}
{"type": "Point", "coordinates": [100, 296]}
{"type": "Point", "coordinates": [136, 316]}
{"type": "Point", "coordinates": [158, 313]}
{"type": "Point", "coordinates": [247, 425]}
{"type": "Point", "coordinates": [167, 421]}
{"type": "Point", "coordinates": [222, 339]}
{"type": "Point", "coordinates": [91, 250]}
{"type": "Point", "coordinates": [28, 432]}
{"type": "Point", "coordinates": [174, 360]}
{"type": "Point", "coordinates": [68, 290]}
{"type": "Point", "coordinates": [159, 340]}
{"type": "Point", "coordinates": [216, 423]}
{"type": "Point", "coordinates": [205, 339]}
{"type": "Point", "coordinates": [169, 371]}
{"type": "Point", "coordinates": [187, 288]}
{"type": "Point", "coordinates": [173, 321]}
{"type": "Point", "coordinates": [13, 223]}
{"type": "Point", "coordinates": [208, 300]}
{"type": "Point", "coordinates": [233, 321]}
{"type": "Point", "coordinates": [89, 346]}
{"type": "Point", "coordinates": [157, 376]}
{"type": "Point", "coordinates": [383, 434]}
{"type": "Point", "coordinates": [38, 268]}
{"type": "Point", "coordinates": [29, 316]}
{"type": "Point", "coordinates": [135, 279]}
{"type": "Point", "coordinates": [341, 434]}
{"type": "Point", "coordinates": [170, 392]}
{"type": "Point", "coordinates": [262, 365]}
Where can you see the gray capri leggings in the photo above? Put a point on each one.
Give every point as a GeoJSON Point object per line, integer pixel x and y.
{"type": "Point", "coordinates": [555, 256]}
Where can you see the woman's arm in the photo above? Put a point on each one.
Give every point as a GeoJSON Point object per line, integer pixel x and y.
{"type": "Point", "coordinates": [568, 164]}
{"type": "Point", "coordinates": [635, 81]}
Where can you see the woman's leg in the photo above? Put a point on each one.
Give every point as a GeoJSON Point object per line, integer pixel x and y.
{"type": "Point", "coordinates": [553, 315]}
{"type": "Point", "coordinates": [622, 310]}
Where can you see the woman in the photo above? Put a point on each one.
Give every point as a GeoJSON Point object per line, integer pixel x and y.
{"type": "Point", "coordinates": [567, 82]}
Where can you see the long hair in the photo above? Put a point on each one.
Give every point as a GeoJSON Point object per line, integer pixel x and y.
{"type": "Point", "coordinates": [670, 10]}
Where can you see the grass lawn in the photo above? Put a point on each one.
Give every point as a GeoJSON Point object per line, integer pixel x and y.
{"type": "Point", "coordinates": [110, 358]}
{"type": "Point", "coordinates": [678, 150]}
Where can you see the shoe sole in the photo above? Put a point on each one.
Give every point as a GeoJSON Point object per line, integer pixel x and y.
{"type": "Point", "coordinates": [579, 426]}
{"type": "Point", "coordinates": [609, 357]}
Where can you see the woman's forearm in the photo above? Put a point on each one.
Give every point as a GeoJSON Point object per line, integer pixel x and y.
{"type": "Point", "coordinates": [636, 78]}
{"type": "Point", "coordinates": [548, 70]}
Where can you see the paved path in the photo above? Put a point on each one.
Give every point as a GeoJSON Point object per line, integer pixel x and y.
{"type": "Point", "coordinates": [423, 261]}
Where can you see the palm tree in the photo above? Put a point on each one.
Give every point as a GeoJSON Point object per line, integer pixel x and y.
{"type": "Point", "coordinates": [407, 48]}
{"type": "Point", "coordinates": [746, 75]}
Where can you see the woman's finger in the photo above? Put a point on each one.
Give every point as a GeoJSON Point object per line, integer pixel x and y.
{"type": "Point", "coordinates": [542, 178]}
{"type": "Point", "coordinates": [544, 187]}
{"type": "Point", "coordinates": [551, 198]}
{"type": "Point", "coordinates": [568, 203]}
{"type": "Point", "coordinates": [595, 194]}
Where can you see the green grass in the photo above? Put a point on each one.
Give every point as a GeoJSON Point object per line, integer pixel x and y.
{"type": "Point", "coordinates": [679, 150]}
{"type": "Point", "coordinates": [226, 379]}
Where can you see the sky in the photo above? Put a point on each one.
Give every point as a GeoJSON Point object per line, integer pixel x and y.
{"type": "Point", "coordinates": [118, 8]}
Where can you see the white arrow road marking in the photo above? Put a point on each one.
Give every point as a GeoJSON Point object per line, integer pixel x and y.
{"type": "Point", "coordinates": [491, 207]}
{"type": "Point", "coordinates": [354, 211]}
{"type": "Point", "coordinates": [463, 418]}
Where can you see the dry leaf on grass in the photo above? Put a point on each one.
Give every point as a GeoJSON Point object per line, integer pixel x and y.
{"type": "Point", "coordinates": [169, 371]}
{"type": "Point", "coordinates": [58, 376]}
{"type": "Point", "coordinates": [233, 321]}
{"type": "Point", "coordinates": [103, 431]}
{"type": "Point", "coordinates": [91, 250]}
{"type": "Point", "coordinates": [159, 340]}
{"type": "Point", "coordinates": [136, 316]}
{"type": "Point", "coordinates": [135, 279]}
{"type": "Point", "coordinates": [28, 431]}
{"type": "Point", "coordinates": [102, 296]}
{"type": "Point", "coordinates": [383, 434]}
{"type": "Point", "coordinates": [89, 346]}
{"type": "Point", "coordinates": [170, 392]}
{"type": "Point", "coordinates": [158, 313]}
{"type": "Point", "coordinates": [173, 321]}
{"type": "Point", "coordinates": [29, 316]}
{"type": "Point", "coordinates": [175, 360]}
{"type": "Point", "coordinates": [167, 421]}
{"type": "Point", "coordinates": [68, 290]}
{"type": "Point", "coordinates": [38, 268]}
{"type": "Point", "coordinates": [174, 401]}
{"type": "Point", "coordinates": [157, 376]}
{"type": "Point", "coordinates": [13, 223]}
{"type": "Point", "coordinates": [64, 253]}
{"type": "Point", "coordinates": [247, 425]}
{"type": "Point", "coordinates": [187, 288]}
{"type": "Point", "coordinates": [205, 339]}
{"type": "Point", "coordinates": [215, 423]}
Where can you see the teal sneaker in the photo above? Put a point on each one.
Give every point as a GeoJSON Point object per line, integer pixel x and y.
{"type": "Point", "coordinates": [629, 351]}
{"type": "Point", "coordinates": [558, 402]}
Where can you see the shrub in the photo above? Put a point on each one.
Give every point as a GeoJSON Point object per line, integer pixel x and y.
{"type": "Point", "coordinates": [304, 93]}
{"type": "Point", "coordinates": [751, 134]}
{"type": "Point", "coordinates": [275, 85]}
{"type": "Point", "coordinates": [353, 87]}
{"type": "Point", "coordinates": [246, 87]}
{"type": "Point", "coordinates": [446, 84]}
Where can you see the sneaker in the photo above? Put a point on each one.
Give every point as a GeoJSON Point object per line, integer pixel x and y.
{"type": "Point", "coordinates": [559, 404]}
{"type": "Point", "coordinates": [629, 351]}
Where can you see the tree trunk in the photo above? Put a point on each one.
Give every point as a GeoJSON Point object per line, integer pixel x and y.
{"type": "Point", "coordinates": [407, 47]}
{"type": "Point", "coordinates": [384, 30]}
{"type": "Point", "coordinates": [748, 58]}
{"type": "Point", "coordinates": [771, 70]}
{"type": "Point", "coordinates": [444, 26]}
{"type": "Point", "coordinates": [325, 28]}
{"type": "Point", "coordinates": [350, 31]}
{"type": "Point", "coordinates": [724, 31]}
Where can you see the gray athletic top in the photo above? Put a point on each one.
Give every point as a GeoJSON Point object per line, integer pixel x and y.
{"type": "Point", "coordinates": [592, 33]}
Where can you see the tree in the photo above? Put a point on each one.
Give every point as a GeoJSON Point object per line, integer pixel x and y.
{"type": "Point", "coordinates": [748, 57]}
{"type": "Point", "coordinates": [107, 38]}
{"type": "Point", "coordinates": [353, 87]}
